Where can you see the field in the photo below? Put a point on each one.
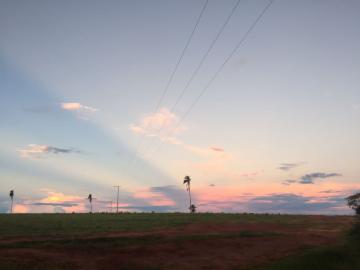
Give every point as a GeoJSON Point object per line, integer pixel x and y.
{"type": "Point", "coordinates": [177, 241]}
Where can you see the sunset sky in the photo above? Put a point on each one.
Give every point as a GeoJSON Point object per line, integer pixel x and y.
{"type": "Point", "coordinates": [277, 130]}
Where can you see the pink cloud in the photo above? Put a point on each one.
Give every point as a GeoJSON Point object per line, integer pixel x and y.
{"type": "Point", "coordinates": [154, 198]}
{"type": "Point", "coordinates": [219, 198]}
{"type": "Point", "coordinates": [51, 201]}
{"type": "Point", "coordinates": [33, 150]}
{"type": "Point", "coordinates": [21, 209]}
{"type": "Point", "coordinates": [136, 129]}
{"type": "Point", "coordinates": [217, 149]}
{"type": "Point", "coordinates": [75, 106]}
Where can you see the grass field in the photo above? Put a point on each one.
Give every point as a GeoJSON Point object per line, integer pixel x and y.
{"type": "Point", "coordinates": [177, 241]}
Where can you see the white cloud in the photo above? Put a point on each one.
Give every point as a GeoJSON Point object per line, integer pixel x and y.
{"type": "Point", "coordinates": [75, 106]}
{"type": "Point", "coordinates": [162, 124]}
{"type": "Point", "coordinates": [33, 150]}
{"type": "Point", "coordinates": [83, 112]}
{"type": "Point", "coordinates": [136, 129]}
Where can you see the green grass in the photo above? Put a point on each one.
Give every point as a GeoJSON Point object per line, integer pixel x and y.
{"type": "Point", "coordinates": [345, 256]}
{"type": "Point", "coordinates": [69, 224]}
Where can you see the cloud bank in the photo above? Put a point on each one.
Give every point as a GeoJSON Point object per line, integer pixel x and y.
{"type": "Point", "coordinates": [173, 198]}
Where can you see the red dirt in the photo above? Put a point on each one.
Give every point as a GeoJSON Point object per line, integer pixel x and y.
{"type": "Point", "coordinates": [189, 247]}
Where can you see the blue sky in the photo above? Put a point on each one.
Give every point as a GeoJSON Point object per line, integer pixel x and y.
{"type": "Point", "coordinates": [79, 83]}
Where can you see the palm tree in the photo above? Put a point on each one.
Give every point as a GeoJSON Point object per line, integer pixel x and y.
{"type": "Point", "coordinates": [12, 200]}
{"type": "Point", "coordinates": [90, 198]}
{"type": "Point", "coordinates": [187, 181]}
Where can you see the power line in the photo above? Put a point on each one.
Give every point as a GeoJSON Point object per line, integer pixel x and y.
{"type": "Point", "coordinates": [205, 55]}
{"type": "Point", "coordinates": [202, 61]}
{"type": "Point", "coordinates": [181, 57]}
{"type": "Point", "coordinates": [238, 45]}
{"type": "Point", "coordinates": [171, 76]}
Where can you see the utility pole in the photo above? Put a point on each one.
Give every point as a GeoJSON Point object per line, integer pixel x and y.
{"type": "Point", "coordinates": [117, 199]}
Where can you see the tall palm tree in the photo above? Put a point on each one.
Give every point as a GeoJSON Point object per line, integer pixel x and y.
{"type": "Point", "coordinates": [90, 198]}
{"type": "Point", "coordinates": [12, 200]}
{"type": "Point", "coordinates": [187, 181]}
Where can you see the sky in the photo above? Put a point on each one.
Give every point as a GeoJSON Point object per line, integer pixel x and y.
{"type": "Point", "coordinates": [95, 94]}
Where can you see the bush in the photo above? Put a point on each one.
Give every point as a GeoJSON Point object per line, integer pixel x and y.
{"type": "Point", "coordinates": [355, 231]}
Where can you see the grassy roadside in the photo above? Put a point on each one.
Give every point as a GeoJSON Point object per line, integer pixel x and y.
{"type": "Point", "coordinates": [345, 256]}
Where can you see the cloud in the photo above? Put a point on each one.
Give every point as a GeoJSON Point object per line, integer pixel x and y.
{"type": "Point", "coordinates": [154, 198]}
{"type": "Point", "coordinates": [150, 208]}
{"type": "Point", "coordinates": [82, 112]}
{"type": "Point", "coordinates": [289, 203]}
{"type": "Point", "coordinates": [173, 198]}
{"type": "Point", "coordinates": [179, 196]}
{"type": "Point", "coordinates": [217, 149]}
{"type": "Point", "coordinates": [75, 106]}
{"type": "Point", "coordinates": [293, 203]}
{"type": "Point", "coordinates": [289, 166]}
{"type": "Point", "coordinates": [162, 197]}
{"type": "Point", "coordinates": [330, 191]}
{"type": "Point", "coordinates": [136, 129]}
{"type": "Point", "coordinates": [289, 182]}
{"type": "Point", "coordinates": [162, 124]}
{"type": "Point", "coordinates": [49, 201]}
{"type": "Point", "coordinates": [310, 178]}
{"type": "Point", "coordinates": [20, 208]}
{"type": "Point", "coordinates": [40, 150]}
{"type": "Point", "coordinates": [64, 204]}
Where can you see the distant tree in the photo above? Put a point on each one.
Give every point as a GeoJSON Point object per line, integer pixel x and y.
{"type": "Point", "coordinates": [187, 181]}
{"type": "Point", "coordinates": [353, 202]}
{"type": "Point", "coordinates": [12, 200]}
{"type": "Point", "coordinates": [90, 198]}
